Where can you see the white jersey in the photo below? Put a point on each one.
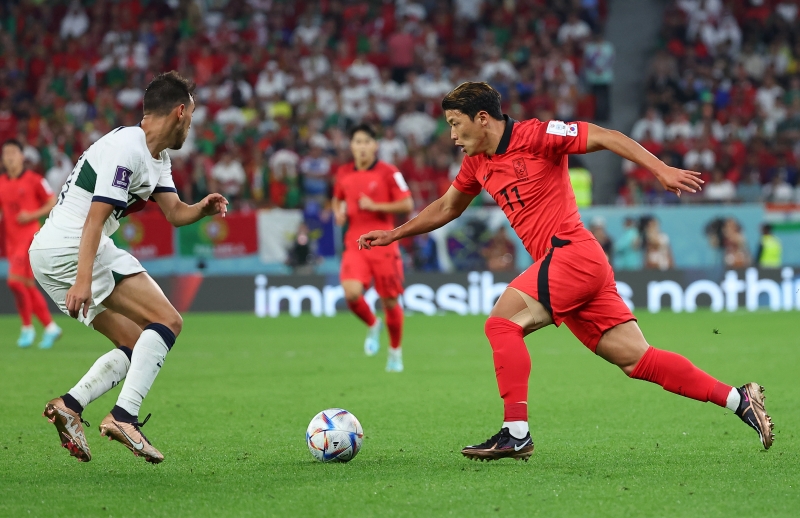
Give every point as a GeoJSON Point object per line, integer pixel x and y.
{"type": "Point", "coordinates": [119, 170]}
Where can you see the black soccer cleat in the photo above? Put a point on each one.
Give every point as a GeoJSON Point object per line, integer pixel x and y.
{"type": "Point", "coordinates": [751, 410]}
{"type": "Point", "coordinates": [501, 445]}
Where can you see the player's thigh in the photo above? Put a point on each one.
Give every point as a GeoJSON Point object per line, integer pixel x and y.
{"type": "Point", "coordinates": [19, 267]}
{"type": "Point", "coordinates": [354, 274]}
{"type": "Point", "coordinates": [121, 330]}
{"type": "Point", "coordinates": [623, 345]}
{"type": "Point", "coordinates": [386, 268]}
{"type": "Point", "coordinates": [141, 300]}
{"type": "Point", "coordinates": [522, 309]}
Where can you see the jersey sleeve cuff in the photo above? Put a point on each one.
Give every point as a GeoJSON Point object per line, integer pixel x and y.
{"type": "Point", "coordinates": [110, 201]}
{"type": "Point", "coordinates": [165, 189]}
{"type": "Point", "coordinates": [465, 190]}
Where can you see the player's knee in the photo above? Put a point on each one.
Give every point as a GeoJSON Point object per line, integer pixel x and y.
{"type": "Point", "coordinates": [174, 321]}
{"type": "Point", "coordinates": [498, 325]}
{"type": "Point", "coordinates": [352, 295]}
{"type": "Point", "coordinates": [389, 302]}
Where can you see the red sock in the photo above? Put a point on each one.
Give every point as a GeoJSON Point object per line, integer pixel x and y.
{"type": "Point", "coordinates": [394, 322]}
{"type": "Point", "coordinates": [679, 376]}
{"type": "Point", "coordinates": [23, 300]}
{"type": "Point", "coordinates": [512, 366]}
{"type": "Point", "coordinates": [39, 306]}
{"type": "Point", "coordinates": [361, 310]}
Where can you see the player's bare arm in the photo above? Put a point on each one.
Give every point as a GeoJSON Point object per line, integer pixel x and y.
{"type": "Point", "coordinates": [671, 178]}
{"type": "Point", "coordinates": [436, 215]}
{"type": "Point", "coordinates": [44, 210]}
{"type": "Point", "coordinates": [80, 294]}
{"type": "Point", "coordinates": [403, 206]}
{"type": "Point", "coordinates": [180, 214]}
{"type": "Point", "coordinates": [338, 211]}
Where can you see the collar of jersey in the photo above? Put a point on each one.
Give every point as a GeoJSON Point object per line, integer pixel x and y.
{"type": "Point", "coordinates": [502, 147]}
{"type": "Point", "coordinates": [370, 168]}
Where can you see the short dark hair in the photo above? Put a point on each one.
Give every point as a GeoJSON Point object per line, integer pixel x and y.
{"type": "Point", "coordinates": [13, 142]}
{"type": "Point", "coordinates": [366, 128]}
{"type": "Point", "coordinates": [166, 91]}
{"type": "Point", "coordinates": [471, 97]}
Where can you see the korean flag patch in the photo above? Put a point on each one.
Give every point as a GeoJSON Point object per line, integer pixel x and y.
{"type": "Point", "coordinates": [572, 130]}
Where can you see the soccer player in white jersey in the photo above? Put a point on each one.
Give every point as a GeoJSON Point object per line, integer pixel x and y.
{"type": "Point", "coordinates": [106, 288]}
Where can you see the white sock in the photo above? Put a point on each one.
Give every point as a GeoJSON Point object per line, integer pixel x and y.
{"type": "Point", "coordinates": [518, 429]}
{"type": "Point", "coordinates": [148, 357]}
{"type": "Point", "coordinates": [105, 374]}
{"type": "Point", "coordinates": [27, 328]}
{"type": "Point", "coordinates": [396, 353]}
{"type": "Point", "coordinates": [52, 327]}
{"type": "Point", "coordinates": [734, 399]}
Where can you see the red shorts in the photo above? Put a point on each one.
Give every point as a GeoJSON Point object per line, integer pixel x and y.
{"type": "Point", "coordinates": [575, 283]}
{"type": "Point", "coordinates": [381, 265]}
{"type": "Point", "coordinates": [19, 264]}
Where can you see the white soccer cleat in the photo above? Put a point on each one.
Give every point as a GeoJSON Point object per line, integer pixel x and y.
{"type": "Point", "coordinates": [395, 361]}
{"type": "Point", "coordinates": [373, 341]}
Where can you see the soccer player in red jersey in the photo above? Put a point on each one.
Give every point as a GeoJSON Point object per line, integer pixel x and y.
{"type": "Point", "coordinates": [367, 194]}
{"type": "Point", "coordinates": [523, 165]}
{"type": "Point", "coordinates": [25, 197]}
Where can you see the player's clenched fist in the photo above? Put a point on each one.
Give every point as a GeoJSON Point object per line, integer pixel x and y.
{"type": "Point", "coordinates": [79, 297]}
{"type": "Point", "coordinates": [375, 238]}
{"type": "Point", "coordinates": [214, 204]}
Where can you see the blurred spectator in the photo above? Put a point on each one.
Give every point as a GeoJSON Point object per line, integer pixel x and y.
{"type": "Point", "coordinates": [599, 69]}
{"type": "Point", "coordinates": [425, 255]}
{"type": "Point", "coordinates": [770, 249]}
{"type": "Point", "coordinates": [598, 230]}
{"type": "Point", "coordinates": [316, 169]}
{"type": "Point", "coordinates": [700, 158]}
{"type": "Point", "coordinates": [655, 243]}
{"type": "Point", "coordinates": [499, 252]}
{"type": "Point", "coordinates": [574, 29]}
{"type": "Point", "coordinates": [391, 148]}
{"type": "Point", "coordinates": [651, 125]}
{"type": "Point", "coordinates": [719, 188]}
{"type": "Point", "coordinates": [627, 253]}
{"type": "Point", "coordinates": [581, 180]}
{"type": "Point", "coordinates": [737, 254]}
{"type": "Point", "coordinates": [301, 257]}
{"type": "Point", "coordinates": [229, 176]}
{"type": "Point", "coordinates": [778, 190]}
{"type": "Point", "coordinates": [749, 189]}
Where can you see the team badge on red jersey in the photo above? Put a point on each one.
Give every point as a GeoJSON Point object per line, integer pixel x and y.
{"type": "Point", "coordinates": [520, 169]}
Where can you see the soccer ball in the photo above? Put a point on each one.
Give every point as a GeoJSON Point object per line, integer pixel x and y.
{"type": "Point", "coordinates": [334, 435]}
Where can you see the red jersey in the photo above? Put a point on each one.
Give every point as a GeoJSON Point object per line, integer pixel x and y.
{"type": "Point", "coordinates": [27, 192]}
{"type": "Point", "coordinates": [528, 179]}
{"type": "Point", "coordinates": [382, 183]}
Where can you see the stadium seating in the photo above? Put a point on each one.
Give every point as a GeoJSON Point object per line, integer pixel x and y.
{"type": "Point", "coordinates": [723, 98]}
{"type": "Point", "coordinates": [279, 83]}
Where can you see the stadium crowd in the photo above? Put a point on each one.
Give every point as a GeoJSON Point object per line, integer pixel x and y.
{"type": "Point", "coordinates": [723, 98]}
{"type": "Point", "coordinates": [279, 83]}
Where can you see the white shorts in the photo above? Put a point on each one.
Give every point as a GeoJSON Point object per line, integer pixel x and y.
{"type": "Point", "coordinates": [56, 269]}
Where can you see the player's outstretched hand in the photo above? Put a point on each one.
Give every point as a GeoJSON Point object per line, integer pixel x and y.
{"type": "Point", "coordinates": [214, 204]}
{"type": "Point", "coordinates": [25, 217]}
{"type": "Point", "coordinates": [677, 180]}
{"type": "Point", "coordinates": [79, 298]}
{"type": "Point", "coordinates": [375, 238]}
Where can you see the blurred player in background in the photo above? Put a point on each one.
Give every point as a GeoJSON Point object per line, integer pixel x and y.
{"type": "Point", "coordinates": [523, 165]}
{"type": "Point", "coordinates": [25, 198]}
{"type": "Point", "coordinates": [77, 263]}
{"type": "Point", "coordinates": [367, 194]}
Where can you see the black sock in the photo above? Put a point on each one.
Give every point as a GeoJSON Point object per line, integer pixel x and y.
{"type": "Point", "coordinates": [742, 404]}
{"type": "Point", "coordinates": [120, 414]}
{"type": "Point", "coordinates": [72, 403]}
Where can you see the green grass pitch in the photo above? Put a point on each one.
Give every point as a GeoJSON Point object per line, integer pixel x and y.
{"type": "Point", "coordinates": [231, 406]}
